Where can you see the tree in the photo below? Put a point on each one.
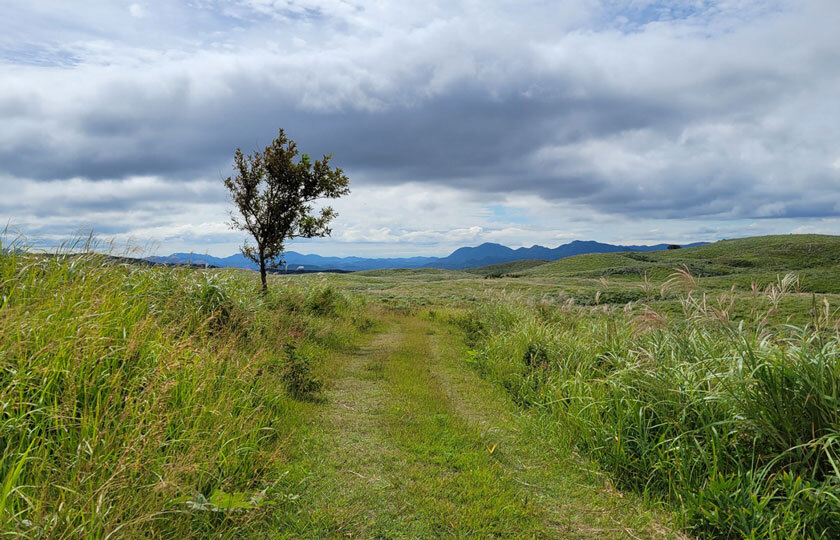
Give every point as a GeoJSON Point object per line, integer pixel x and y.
{"type": "Point", "coordinates": [275, 195]}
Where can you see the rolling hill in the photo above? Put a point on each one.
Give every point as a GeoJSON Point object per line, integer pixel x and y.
{"type": "Point", "coordinates": [504, 269]}
{"type": "Point", "coordinates": [815, 258]}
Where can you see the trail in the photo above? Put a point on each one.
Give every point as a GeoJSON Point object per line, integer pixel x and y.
{"type": "Point", "coordinates": [413, 444]}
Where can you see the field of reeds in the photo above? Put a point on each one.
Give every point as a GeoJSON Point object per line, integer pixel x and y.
{"type": "Point", "coordinates": [624, 395]}
{"type": "Point", "coordinates": [731, 416]}
{"type": "Point", "coordinates": [141, 402]}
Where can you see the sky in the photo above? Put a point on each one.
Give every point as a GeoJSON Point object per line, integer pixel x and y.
{"type": "Point", "coordinates": [458, 122]}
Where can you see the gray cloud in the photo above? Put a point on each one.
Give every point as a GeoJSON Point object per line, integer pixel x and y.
{"type": "Point", "coordinates": [661, 110]}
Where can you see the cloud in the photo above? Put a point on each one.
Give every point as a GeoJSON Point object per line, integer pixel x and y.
{"type": "Point", "coordinates": [138, 11]}
{"type": "Point", "coordinates": [648, 110]}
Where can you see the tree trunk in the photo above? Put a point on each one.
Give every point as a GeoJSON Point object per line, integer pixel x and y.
{"type": "Point", "coordinates": [262, 274]}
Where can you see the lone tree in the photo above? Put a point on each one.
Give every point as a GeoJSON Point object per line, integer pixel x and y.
{"type": "Point", "coordinates": [274, 195]}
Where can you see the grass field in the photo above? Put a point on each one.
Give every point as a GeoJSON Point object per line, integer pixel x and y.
{"type": "Point", "coordinates": [637, 395]}
{"type": "Point", "coordinates": [138, 401]}
{"type": "Point", "coordinates": [505, 269]}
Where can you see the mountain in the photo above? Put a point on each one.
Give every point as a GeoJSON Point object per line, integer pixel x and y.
{"type": "Point", "coordinates": [488, 253]}
{"type": "Point", "coordinates": [471, 257]}
{"type": "Point", "coordinates": [466, 257]}
{"type": "Point", "coordinates": [294, 259]}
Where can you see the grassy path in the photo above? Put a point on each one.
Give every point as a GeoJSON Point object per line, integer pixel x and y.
{"type": "Point", "coordinates": [411, 444]}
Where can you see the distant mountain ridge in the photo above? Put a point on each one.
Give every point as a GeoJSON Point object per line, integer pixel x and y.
{"type": "Point", "coordinates": [489, 253]}
{"type": "Point", "coordinates": [462, 258]}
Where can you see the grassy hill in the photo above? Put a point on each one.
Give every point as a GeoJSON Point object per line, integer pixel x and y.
{"type": "Point", "coordinates": [783, 252]}
{"type": "Point", "coordinates": [504, 269]}
{"type": "Point", "coordinates": [414, 274]}
{"type": "Point", "coordinates": [816, 258]}
{"type": "Point", "coordinates": [618, 278]}
{"type": "Point", "coordinates": [588, 265]}
{"type": "Point", "coordinates": [779, 252]}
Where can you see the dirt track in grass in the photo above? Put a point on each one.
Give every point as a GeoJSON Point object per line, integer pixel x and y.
{"type": "Point", "coordinates": [413, 444]}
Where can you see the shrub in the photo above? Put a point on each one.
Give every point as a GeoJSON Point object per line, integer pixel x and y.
{"type": "Point", "coordinates": [297, 374]}
{"type": "Point", "coordinates": [325, 301]}
{"type": "Point", "coordinates": [472, 325]}
{"type": "Point", "coordinates": [611, 297]}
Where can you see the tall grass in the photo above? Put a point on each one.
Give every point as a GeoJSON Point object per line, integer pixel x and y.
{"type": "Point", "coordinates": [150, 402]}
{"type": "Point", "coordinates": [737, 423]}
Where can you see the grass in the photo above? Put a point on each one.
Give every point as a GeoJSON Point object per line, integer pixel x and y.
{"type": "Point", "coordinates": [608, 395]}
{"type": "Point", "coordinates": [505, 269]}
{"type": "Point", "coordinates": [412, 445]}
{"type": "Point", "coordinates": [414, 274]}
{"type": "Point", "coordinates": [586, 265]}
{"type": "Point", "coordinates": [757, 258]}
{"type": "Point", "coordinates": [734, 422]}
{"type": "Point", "coordinates": [702, 378]}
{"type": "Point", "coordinates": [170, 402]}
{"type": "Point", "coordinates": [150, 402]}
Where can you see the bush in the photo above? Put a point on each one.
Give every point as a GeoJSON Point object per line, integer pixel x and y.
{"type": "Point", "coordinates": [472, 325]}
{"type": "Point", "coordinates": [297, 374]}
{"type": "Point", "coordinates": [611, 297]}
{"type": "Point", "coordinates": [325, 301]}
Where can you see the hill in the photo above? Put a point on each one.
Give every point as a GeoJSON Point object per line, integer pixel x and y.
{"type": "Point", "coordinates": [466, 257]}
{"type": "Point", "coordinates": [780, 252]}
{"type": "Point", "coordinates": [415, 274]}
{"type": "Point", "coordinates": [489, 254]}
{"type": "Point", "coordinates": [504, 269]}
{"type": "Point", "coordinates": [815, 258]}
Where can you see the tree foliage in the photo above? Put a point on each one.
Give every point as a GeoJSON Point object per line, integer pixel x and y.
{"type": "Point", "coordinates": [274, 192]}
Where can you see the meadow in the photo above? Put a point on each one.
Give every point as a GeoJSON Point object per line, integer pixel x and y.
{"type": "Point", "coordinates": [137, 401]}
{"type": "Point", "coordinates": [683, 392]}
{"type": "Point", "coordinates": [706, 378]}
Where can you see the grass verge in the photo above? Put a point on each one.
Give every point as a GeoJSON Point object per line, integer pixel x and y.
{"type": "Point", "coordinates": [734, 422]}
{"type": "Point", "coordinates": [153, 402]}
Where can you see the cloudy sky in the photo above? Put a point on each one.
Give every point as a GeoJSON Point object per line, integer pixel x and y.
{"type": "Point", "coordinates": [458, 122]}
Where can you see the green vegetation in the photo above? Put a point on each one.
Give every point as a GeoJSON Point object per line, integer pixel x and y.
{"type": "Point", "coordinates": [510, 269]}
{"type": "Point", "coordinates": [412, 445]}
{"type": "Point", "coordinates": [152, 402]}
{"type": "Point", "coordinates": [737, 423]}
{"type": "Point", "coordinates": [815, 258]}
{"type": "Point", "coordinates": [590, 264]}
{"type": "Point", "coordinates": [714, 406]}
{"type": "Point", "coordinates": [705, 378]}
{"type": "Point", "coordinates": [415, 274]}
{"type": "Point", "coordinates": [609, 395]}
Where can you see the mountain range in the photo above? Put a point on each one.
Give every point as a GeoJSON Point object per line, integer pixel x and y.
{"type": "Point", "coordinates": [465, 257]}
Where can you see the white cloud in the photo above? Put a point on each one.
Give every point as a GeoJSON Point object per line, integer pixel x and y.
{"type": "Point", "coordinates": [138, 11]}
{"type": "Point", "coordinates": [589, 117]}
